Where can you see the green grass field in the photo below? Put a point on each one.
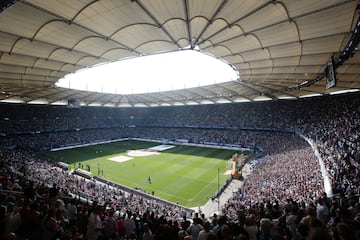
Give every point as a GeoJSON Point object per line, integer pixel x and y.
{"type": "Point", "coordinates": [184, 174]}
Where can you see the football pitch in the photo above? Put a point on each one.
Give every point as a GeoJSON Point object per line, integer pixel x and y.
{"type": "Point", "coordinates": [181, 174]}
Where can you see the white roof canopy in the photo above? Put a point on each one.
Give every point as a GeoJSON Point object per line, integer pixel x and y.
{"type": "Point", "coordinates": [274, 45]}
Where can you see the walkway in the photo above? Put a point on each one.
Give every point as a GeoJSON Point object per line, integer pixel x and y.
{"type": "Point", "coordinates": [214, 206]}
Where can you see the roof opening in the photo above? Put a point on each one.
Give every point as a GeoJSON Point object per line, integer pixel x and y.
{"type": "Point", "coordinates": [154, 73]}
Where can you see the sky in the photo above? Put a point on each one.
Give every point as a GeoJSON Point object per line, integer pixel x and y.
{"type": "Point", "coordinates": [160, 72]}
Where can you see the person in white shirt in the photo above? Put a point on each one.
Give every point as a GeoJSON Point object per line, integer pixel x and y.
{"type": "Point", "coordinates": [322, 211]}
{"type": "Point", "coordinates": [195, 228]}
{"type": "Point", "coordinates": [147, 234]}
{"type": "Point", "coordinates": [94, 226]}
{"type": "Point", "coordinates": [203, 234]}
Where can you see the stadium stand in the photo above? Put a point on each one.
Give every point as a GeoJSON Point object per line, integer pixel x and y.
{"type": "Point", "coordinates": [285, 189]}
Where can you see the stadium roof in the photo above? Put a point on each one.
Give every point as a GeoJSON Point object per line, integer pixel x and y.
{"type": "Point", "coordinates": [279, 48]}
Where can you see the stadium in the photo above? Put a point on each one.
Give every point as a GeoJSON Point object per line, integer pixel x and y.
{"type": "Point", "coordinates": [273, 154]}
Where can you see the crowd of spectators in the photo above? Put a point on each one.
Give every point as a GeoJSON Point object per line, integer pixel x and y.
{"type": "Point", "coordinates": [28, 182]}
{"type": "Point", "coordinates": [289, 114]}
{"type": "Point", "coordinates": [283, 197]}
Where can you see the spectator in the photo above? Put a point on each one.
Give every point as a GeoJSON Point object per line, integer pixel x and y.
{"type": "Point", "coordinates": [147, 234]}
{"type": "Point", "coordinates": [95, 225]}
{"type": "Point", "coordinates": [203, 234]}
{"type": "Point", "coordinates": [110, 225]}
